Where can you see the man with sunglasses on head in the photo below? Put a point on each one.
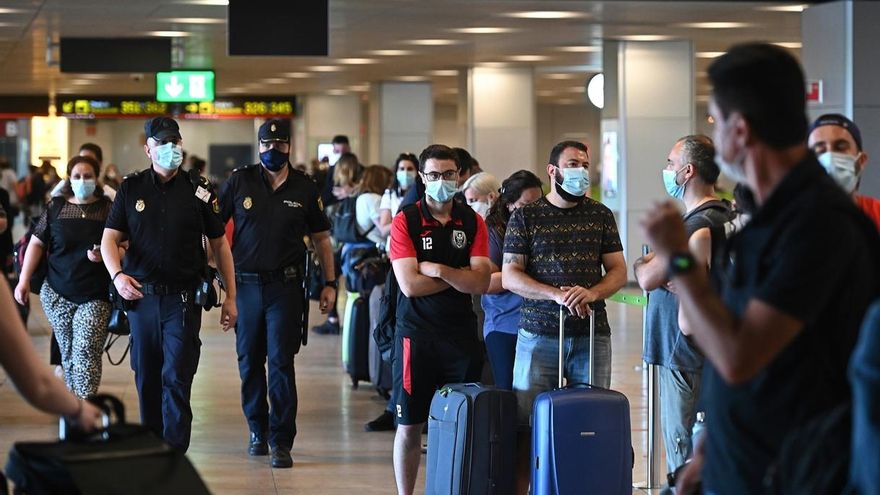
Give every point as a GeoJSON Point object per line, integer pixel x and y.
{"type": "Point", "coordinates": [440, 256]}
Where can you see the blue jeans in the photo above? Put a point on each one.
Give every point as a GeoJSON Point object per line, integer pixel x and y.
{"type": "Point", "coordinates": [679, 392]}
{"type": "Point", "coordinates": [536, 367]}
{"type": "Point", "coordinates": [501, 348]}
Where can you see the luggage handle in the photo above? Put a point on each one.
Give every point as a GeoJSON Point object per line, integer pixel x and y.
{"type": "Point", "coordinates": [111, 407]}
{"type": "Point", "coordinates": [562, 345]}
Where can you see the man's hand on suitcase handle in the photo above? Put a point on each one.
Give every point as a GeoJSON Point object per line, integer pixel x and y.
{"type": "Point", "coordinates": [577, 299]}
{"type": "Point", "coordinates": [87, 417]}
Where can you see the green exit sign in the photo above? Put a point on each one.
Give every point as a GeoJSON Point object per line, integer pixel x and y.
{"type": "Point", "coordinates": [185, 85]}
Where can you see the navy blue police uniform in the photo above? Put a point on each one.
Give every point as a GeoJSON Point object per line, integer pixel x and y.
{"type": "Point", "coordinates": [269, 254]}
{"type": "Point", "coordinates": [164, 223]}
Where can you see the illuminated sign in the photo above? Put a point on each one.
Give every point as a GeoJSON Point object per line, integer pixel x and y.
{"type": "Point", "coordinates": [185, 86]}
{"type": "Point", "coordinates": [137, 107]}
{"type": "Point", "coordinates": [49, 141]}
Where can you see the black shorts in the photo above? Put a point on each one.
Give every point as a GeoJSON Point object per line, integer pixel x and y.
{"type": "Point", "coordinates": [422, 365]}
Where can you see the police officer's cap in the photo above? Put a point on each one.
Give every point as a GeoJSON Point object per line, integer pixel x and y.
{"type": "Point", "coordinates": [160, 128]}
{"type": "Point", "coordinates": [275, 130]}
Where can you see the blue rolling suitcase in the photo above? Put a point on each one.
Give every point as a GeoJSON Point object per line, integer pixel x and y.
{"type": "Point", "coordinates": [471, 441]}
{"type": "Point", "coordinates": [581, 438]}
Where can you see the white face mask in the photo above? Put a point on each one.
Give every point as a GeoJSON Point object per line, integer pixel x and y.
{"type": "Point", "coordinates": [842, 168]}
{"type": "Point", "coordinates": [481, 207]}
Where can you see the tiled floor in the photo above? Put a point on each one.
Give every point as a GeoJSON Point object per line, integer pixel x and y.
{"type": "Point", "coordinates": [333, 454]}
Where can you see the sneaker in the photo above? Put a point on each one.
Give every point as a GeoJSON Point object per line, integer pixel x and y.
{"type": "Point", "coordinates": [327, 328]}
{"type": "Point", "coordinates": [385, 422]}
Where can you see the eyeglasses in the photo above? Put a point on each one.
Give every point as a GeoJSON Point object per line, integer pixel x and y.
{"type": "Point", "coordinates": [435, 176]}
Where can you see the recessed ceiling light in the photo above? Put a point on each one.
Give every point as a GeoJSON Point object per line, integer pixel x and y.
{"type": "Point", "coordinates": [82, 82]}
{"type": "Point", "coordinates": [357, 61]}
{"type": "Point", "coordinates": [12, 11]}
{"type": "Point", "coordinates": [714, 25]}
{"type": "Point", "coordinates": [337, 92]}
{"type": "Point", "coordinates": [95, 76]}
{"type": "Point", "coordinates": [528, 58]}
{"type": "Point", "coordinates": [206, 2]}
{"type": "Point", "coordinates": [493, 65]}
{"type": "Point", "coordinates": [709, 54]}
{"type": "Point", "coordinates": [192, 20]}
{"type": "Point", "coordinates": [580, 49]}
{"type": "Point", "coordinates": [566, 75]}
{"type": "Point", "coordinates": [391, 53]}
{"type": "Point", "coordinates": [575, 89]}
{"type": "Point", "coordinates": [433, 42]}
{"type": "Point", "coordinates": [450, 91]}
{"type": "Point", "coordinates": [411, 78]}
{"type": "Point", "coordinates": [644, 37]}
{"type": "Point", "coordinates": [359, 87]}
{"type": "Point", "coordinates": [784, 8]}
{"type": "Point", "coordinates": [483, 30]}
{"type": "Point", "coordinates": [547, 14]}
{"type": "Point", "coordinates": [790, 44]}
{"type": "Point", "coordinates": [324, 68]}
{"type": "Point", "coordinates": [275, 80]}
{"type": "Point", "coordinates": [168, 34]}
{"type": "Point", "coordinates": [297, 75]}
{"type": "Point", "coordinates": [444, 73]}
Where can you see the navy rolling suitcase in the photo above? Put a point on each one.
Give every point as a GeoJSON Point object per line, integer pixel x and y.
{"type": "Point", "coordinates": [581, 438]}
{"type": "Point", "coordinates": [471, 441]}
{"type": "Point", "coordinates": [358, 342]}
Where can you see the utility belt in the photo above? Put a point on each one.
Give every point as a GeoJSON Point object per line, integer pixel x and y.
{"type": "Point", "coordinates": [286, 274]}
{"type": "Point", "coordinates": [165, 290]}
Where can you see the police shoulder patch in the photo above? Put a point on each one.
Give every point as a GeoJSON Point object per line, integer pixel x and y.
{"type": "Point", "coordinates": [244, 167]}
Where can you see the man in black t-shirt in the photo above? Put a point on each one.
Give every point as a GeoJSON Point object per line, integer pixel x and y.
{"type": "Point", "coordinates": [794, 283]}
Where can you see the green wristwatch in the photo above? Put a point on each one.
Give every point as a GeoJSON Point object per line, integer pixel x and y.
{"type": "Point", "coordinates": [680, 263]}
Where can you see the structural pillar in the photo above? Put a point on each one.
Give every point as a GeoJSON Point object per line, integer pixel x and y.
{"type": "Point", "coordinates": [401, 120]}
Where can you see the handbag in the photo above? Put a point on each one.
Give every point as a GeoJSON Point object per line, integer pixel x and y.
{"type": "Point", "coordinates": [118, 325]}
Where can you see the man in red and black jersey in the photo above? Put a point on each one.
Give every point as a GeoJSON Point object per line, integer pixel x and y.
{"type": "Point", "coordinates": [440, 255]}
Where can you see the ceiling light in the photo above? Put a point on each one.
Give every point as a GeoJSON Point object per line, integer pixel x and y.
{"type": "Point", "coordinates": [450, 91]}
{"type": "Point", "coordinates": [784, 8]}
{"type": "Point", "coordinates": [297, 75]}
{"type": "Point", "coordinates": [443, 73]}
{"type": "Point", "coordinates": [337, 92]}
{"type": "Point", "coordinates": [596, 90]}
{"type": "Point", "coordinates": [580, 49]}
{"type": "Point", "coordinates": [794, 45]}
{"type": "Point", "coordinates": [357, 61]}
{"type": "Point", "coordinates": [715, 25]}
{"type": "Point", "coordinates": [567, 75]}
{"type": "Point", "coordinates": [391, 53]}
{"type": "Point", "coordinates": [709, 54]}
{"type": "Point", "coordinates": [12, 11]}
{"type": "Point", "coordinates": [433, 42]}
{"type": "Point", "coordinates": [168, 34]}
{"type": "Point", "coordinates": [411, 78]}
{"type": "Point", "coordinates": [275, 80]}
{"type": "Point", "coordinates": [547, 14]}
{"type": "Point", "coordinates": [193, 20]}
{"type": "Point", "coordinates": [483, 30]}
{"type": "Point", "coordinates": [324, 68]}
{"type": "Point", "coordinates": [82, 82]}
{"type": "Point", "coordinates": [528, 58]}
{"type": "Point", "coordinates": [644, 37]}
{"type": "Point", "coordinates": [574, 89]}
{"type": "Point", "coordinates": [359, 87]}
{"type": "Point", "coordinates": [206, 2]}
{"type": "Point", "coordinates": [493, 65]}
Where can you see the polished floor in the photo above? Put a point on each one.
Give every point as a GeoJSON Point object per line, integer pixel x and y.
{"type": "Point", "coordinates": [332, 453]}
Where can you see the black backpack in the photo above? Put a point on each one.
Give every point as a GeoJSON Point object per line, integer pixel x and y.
{"type": "Point", "coordinates": [345, 222]}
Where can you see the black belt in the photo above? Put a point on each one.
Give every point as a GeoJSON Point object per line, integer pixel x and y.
{"type": "Point", "coordinates": [163, 290]}
{"type": "Point", "coordinates": [269, 276]}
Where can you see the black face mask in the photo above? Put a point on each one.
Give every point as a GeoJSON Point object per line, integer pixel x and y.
{"type": "Point", "coordinates": [571, 198]}
{"type": "Point", "coordinates": [273, 159]}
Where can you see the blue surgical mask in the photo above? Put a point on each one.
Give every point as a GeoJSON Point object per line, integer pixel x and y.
{"type": "Point", "coordinates": [842, 168]}
{"type": "Point", "coordinates": [441, 191]}
{"type": "Point", "coordinates": [406, 178]}
{"type": "Point", "coordinates": [575, 181]}
{"type": "Point", "coordinates": [168, 156]}
{"type": "Point", "coordinates": [82, 188]}
{"type": "Point", "coordinates": [273, 159]}
{"type": "Point", "coordinates": [672, 188]}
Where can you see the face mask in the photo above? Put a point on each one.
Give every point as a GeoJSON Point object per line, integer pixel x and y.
{"type": "Point", "coordinates": [82, 188]}
{"type": "Point", "coordinates": [672, 188]}
{"type": "Point", "coordinates": [168, 156]}
{"type": "Point", "coordinates": [481, 208]}
{"type": "Point", "coordinates": [406, 178]}
{"type": "Point", "coordinates": [273, 159]}
{"type": "Point", "coordinates": [572, 183]}
{"type": "Point", "coordinates": [842, 168]}
{"type": "Point", "coordinates": [441, 191]}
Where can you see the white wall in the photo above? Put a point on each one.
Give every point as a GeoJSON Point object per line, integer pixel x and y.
{"type": "Point", "coordinates": [557, 123]}
{"type": "Point", "coordinates": [406, 119]}
{"type": "Point", "coordinates": [447, 129]}
{"type": "Point", "coordinates": [326, 116]}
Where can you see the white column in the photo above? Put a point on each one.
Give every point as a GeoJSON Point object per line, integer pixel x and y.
{"type": "Point", "coordinates": [325, 116]}
{"type": "Point", "coordinates": [501, 120]}
{"type": "Point", "coordinates": [401, 120]}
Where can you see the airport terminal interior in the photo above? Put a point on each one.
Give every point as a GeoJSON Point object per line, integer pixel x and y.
{"type": "Point", "coordinates": [505, 80]}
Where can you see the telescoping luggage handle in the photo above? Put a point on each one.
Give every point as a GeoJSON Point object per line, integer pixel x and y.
{"type": "Point", "coordinates": [562, 344]}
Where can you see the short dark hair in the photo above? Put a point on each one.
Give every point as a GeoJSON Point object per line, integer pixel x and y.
{"type": "Point", "coordinates": [66, 190]}
{"type": "Point", "coordinates": [463, 160]}
{"type": "Point", "coordinates": [765, 84]}
{"type": "Point", "coordinates": [436, 152]}
{"type": "Point", "coordinates": [564, 145]}
{"type": "Point", "coordinates": [340, 139]}
{"type": "Point", "coordinates": [510, 192]}
{"type": "Point", "coordinates": [699, 151]}
{"type": "Point", "coordinates": [95, 149]}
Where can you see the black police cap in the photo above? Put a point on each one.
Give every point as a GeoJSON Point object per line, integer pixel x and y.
{"type": "Point", "coordinates": [275, 130]}
{"type": "Point", "coordinates": [160, 128]}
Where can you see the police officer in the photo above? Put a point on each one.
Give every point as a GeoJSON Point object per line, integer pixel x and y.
{"type": "Point", "coordinates": [273, 206]}
{"type": "Point", "coordinates": [163, 213]}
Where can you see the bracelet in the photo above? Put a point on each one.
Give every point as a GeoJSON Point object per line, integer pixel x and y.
{"type": "Point", "coordinates": [113, 279]}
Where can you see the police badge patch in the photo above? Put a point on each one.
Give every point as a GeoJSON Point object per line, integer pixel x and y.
{"type": "Point", "coordinates": [459, 239]}
{"type": "Point", "coordinates": [139, 205]}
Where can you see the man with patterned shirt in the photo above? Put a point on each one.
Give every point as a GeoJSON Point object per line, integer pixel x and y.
{"type": "Point", "coordinates": [555, 251]}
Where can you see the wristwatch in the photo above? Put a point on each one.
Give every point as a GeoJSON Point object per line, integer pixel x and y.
{"type": "Point", "coordinates": [681, 263]}
{"type": "Point", "coordinates": [331, 283]}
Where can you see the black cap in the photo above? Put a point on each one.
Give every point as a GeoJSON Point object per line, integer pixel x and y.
{"type": "Point", "coordinates": [160, 128]}
{"type": "Point", "coordinates": [839, 120]}
{"type": "Point", "coordinates": [275, 130]}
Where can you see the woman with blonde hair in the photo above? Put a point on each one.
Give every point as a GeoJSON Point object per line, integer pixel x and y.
{"type": "Point", "coordinates": [481, 191]}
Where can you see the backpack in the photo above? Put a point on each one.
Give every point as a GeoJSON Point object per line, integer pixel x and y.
{"type": "Point", "coordinates": [20, 247]}
{"type": "Point", "coordinates": [345, 227]}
